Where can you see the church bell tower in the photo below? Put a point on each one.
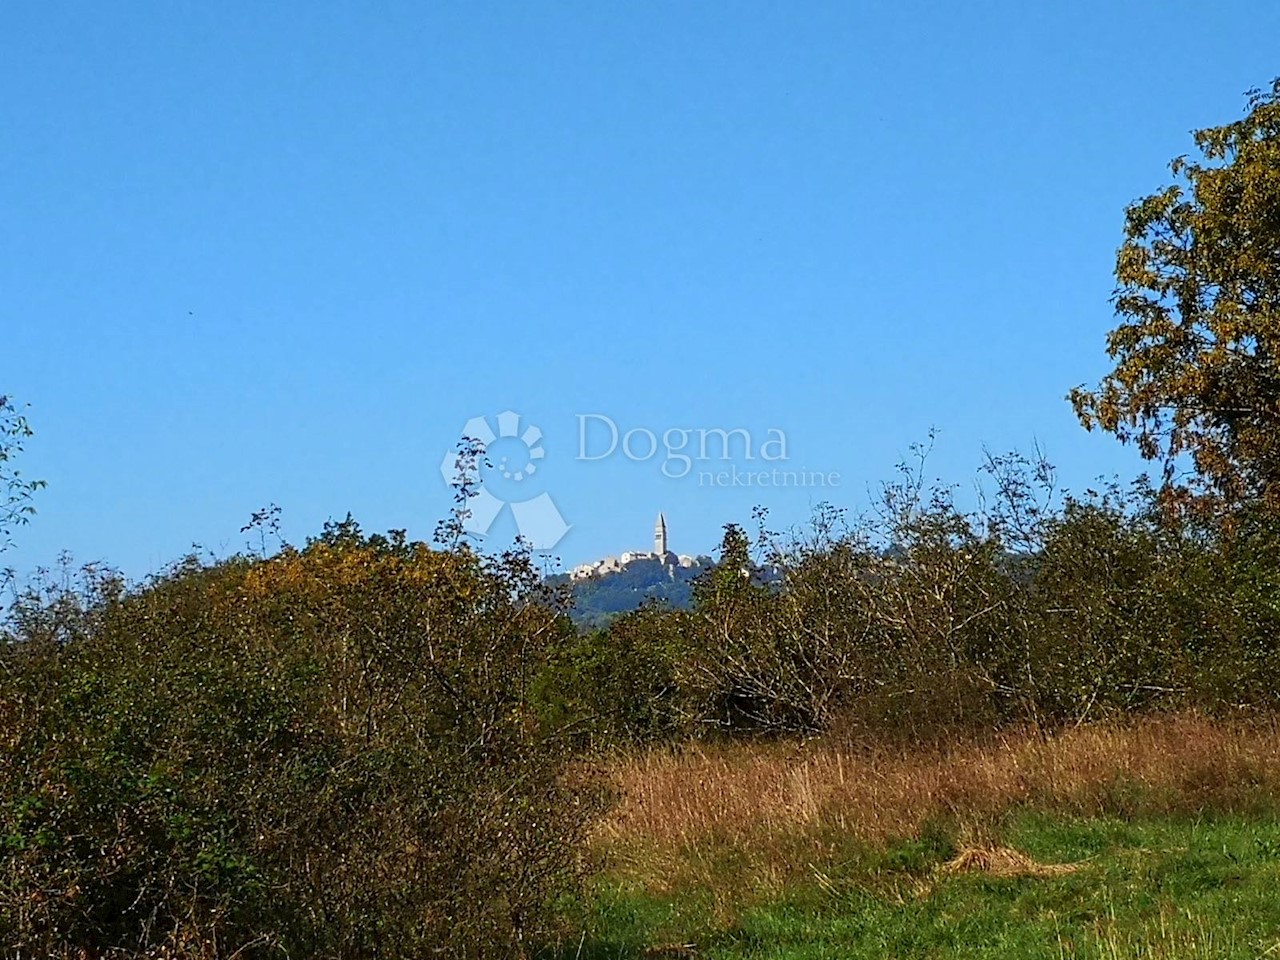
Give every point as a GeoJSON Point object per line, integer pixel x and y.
{"type": "Point", "coordinates": [660, 536]}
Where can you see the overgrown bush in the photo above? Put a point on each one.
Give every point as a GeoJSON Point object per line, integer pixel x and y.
{"type": "Point", "coordinates": [622, 685]}
{"type": "Point", "coordinates": [329, 753]}
{"type": "Point", "coordinates": [890, 619]}
{"type": "Point", "coordinates": [1031, 607]}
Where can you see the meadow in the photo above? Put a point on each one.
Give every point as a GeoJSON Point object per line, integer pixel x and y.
{"type": "Point", "coordinates": [1156, 838]}
{"type": "Point", "coordinates": [931, 740]}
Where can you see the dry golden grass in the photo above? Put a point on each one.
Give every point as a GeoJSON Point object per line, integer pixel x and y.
{"type": "Point", "coordinates": [780, 804]}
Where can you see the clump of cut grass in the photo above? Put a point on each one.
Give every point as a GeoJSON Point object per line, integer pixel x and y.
{"type": "Point", "coordinates": [1003, 862]}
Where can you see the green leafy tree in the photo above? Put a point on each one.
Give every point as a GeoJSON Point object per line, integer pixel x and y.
{"type": "Point", "coordinates": [16, 491]}
{"type": "Point", "coordinates": [1197, 352]}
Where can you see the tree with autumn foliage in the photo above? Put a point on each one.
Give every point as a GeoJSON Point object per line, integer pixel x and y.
{"type": "Point", "coordinates": [1196, 383]}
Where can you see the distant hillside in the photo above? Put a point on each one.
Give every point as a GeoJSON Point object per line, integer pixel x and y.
{"type": "Point", "coordinates": [598, 599]}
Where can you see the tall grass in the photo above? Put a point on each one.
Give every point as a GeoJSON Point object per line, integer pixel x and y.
{"type": "Point", "coordinates": [777, 806]}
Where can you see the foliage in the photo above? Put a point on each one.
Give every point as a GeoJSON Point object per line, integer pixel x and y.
{"type": "Point", "coordinates": [621, 685]}
{"type": "Point", "coordinates": [15, 491]}
{"type": "Point", "coordinates": [327, 753]}
{"type": "Point", "coordinates": [1037, 606]}
{"type": "Point", "coordinates": [739, 677]}
{"type": "Point", "coordinates": [1197, 351]}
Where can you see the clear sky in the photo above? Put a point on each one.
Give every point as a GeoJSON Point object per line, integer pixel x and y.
{"type": "Point", "coordinates": [256, 253]}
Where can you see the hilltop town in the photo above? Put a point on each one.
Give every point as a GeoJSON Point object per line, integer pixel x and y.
{"type": "Point", "coordinates": [659, 553]}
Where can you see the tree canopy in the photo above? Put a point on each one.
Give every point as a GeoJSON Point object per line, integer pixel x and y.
{"type": "Point", "coordinates": [1196, 383]}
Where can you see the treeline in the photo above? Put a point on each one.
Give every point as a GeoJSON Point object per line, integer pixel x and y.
{"type": "Point", "coordinates": [921, 615]}
{"type": "Point", "coordinates": [369, 747]}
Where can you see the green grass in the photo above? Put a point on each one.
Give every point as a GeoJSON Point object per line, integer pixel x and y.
{"type": "Point", "coordinates": [1163, 889]}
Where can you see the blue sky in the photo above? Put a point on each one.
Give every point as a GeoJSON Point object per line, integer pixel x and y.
{"type": "Point", "coordinates": [283, 253]}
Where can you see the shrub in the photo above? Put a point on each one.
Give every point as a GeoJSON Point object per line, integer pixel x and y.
{"type": "Point", "coordinates": [1032, 608]}
{"type": "Point", "coordinates": [620, 685]}
{"type": "Point", "coordinates": [329, 753]}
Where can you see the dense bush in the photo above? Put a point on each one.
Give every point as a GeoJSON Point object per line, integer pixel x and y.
{"type": "Point", "coordinates": [621, 685]}
{"type": "Point", "coordinates": [921, 615]}
{"type": "Point", "coordinates": [329, 753]}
